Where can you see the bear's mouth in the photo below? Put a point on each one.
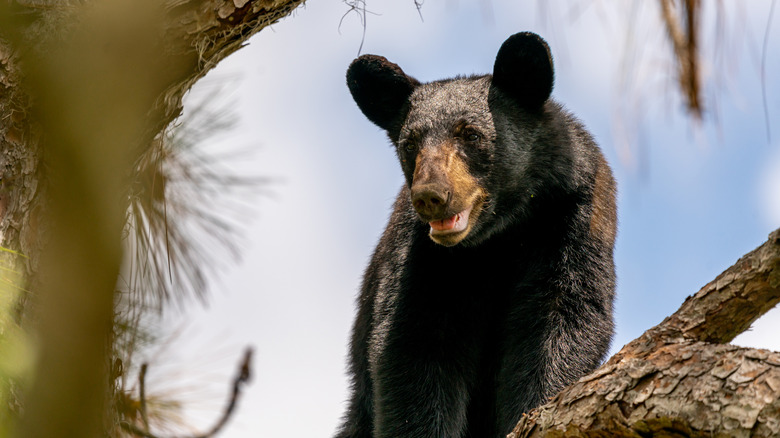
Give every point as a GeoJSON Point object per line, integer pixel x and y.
{"type": "Point", "coordinates": [451, 230]}
{"type": "Point", "coordinates": [453, 224]}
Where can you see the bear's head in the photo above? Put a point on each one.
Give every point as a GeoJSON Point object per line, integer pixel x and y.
{"type": "Point", "coordinates": [464, 144]}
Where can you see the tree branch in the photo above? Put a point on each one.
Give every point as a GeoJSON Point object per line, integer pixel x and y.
{"type": "Point", "coordinates": [243, 376]}
{"type": "Point", "coordinates": [678, 379]}
{"type": "Point", "coordinates": [142, 394]}
{"type": "Point", "coordinates": [729, 304]}
{"type": "Point", "coordinates": [685, 44]}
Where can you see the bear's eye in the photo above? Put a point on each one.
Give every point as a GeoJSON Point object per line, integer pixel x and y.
{"type": "Point", "coordinates": [410, 146]}
{"type": "Point", "coordinates": [472, 137]}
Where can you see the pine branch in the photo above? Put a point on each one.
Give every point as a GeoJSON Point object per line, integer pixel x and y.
{"type": "Point", "coordinates": [242, 376]}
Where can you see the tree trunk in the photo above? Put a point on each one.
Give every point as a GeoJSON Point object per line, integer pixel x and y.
{"type": "Point", "coordinates": [85, 89]}
{"type": "Point", "coordinates": [680, 378]}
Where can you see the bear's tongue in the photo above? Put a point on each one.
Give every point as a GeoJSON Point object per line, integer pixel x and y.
{"type": "Point", "coordinates": [444, 224]}
{"type": "Point", "coordinates": [453, 224]}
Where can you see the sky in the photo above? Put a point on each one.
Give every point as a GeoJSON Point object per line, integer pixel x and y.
{"type": "Point", "coordinates": [692, 199]}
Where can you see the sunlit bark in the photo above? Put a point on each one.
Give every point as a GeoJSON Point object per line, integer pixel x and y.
{"type": "Point", "coordinates": [680, 378]}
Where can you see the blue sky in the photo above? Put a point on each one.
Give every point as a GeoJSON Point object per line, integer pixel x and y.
{"type": "Point", "coordinates": [692, 199]}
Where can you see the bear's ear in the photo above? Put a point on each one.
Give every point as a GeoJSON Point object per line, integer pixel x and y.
{"type": "Point", "coordinates": [380, 88]}
{"type": "Point", "coordinates": [524, 69]}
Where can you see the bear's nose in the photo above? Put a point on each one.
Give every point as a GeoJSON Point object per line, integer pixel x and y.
{"type": "Point", "coordinates": [430, 200]}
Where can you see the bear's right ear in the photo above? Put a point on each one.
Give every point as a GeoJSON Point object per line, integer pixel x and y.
{"type": "Point", "coordinates": [524, 69]}
{"type": "Point", "coordinates": [380, 89]}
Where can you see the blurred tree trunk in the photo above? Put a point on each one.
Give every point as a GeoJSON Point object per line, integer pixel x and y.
{"type": "Point", "coordinates": [85, 88]}
{"type": "Point", "coordinates": [681, 378]}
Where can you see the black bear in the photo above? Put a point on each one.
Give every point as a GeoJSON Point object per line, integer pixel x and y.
{"type": "Point", "coordinates": [492, 285]}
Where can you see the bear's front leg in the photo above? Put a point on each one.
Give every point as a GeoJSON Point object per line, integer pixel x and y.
{"type": "Point", "coordinates": [556, 333]}
{"type": "Point", "coordinates": [420, 397]}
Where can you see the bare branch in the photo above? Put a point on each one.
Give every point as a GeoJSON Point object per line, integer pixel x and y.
{"type": "Point", "coordinates": [243, 376]}
{"type": "Point", "coordinates": [727, 306]}
{"type": "Point", "coordinates": [685, 44]}
{"type": "Point", "coordinates": [142, 393]}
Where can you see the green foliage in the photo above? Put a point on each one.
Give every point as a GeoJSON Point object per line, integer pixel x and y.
{"type": "Point", "coordinates": [16, 347]}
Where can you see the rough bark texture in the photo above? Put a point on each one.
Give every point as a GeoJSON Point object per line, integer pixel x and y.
{"type": "Point", "coordinates": [198, 34]}
{"type": "Point", "coordinates": [679, 378]}
{"type": "Point", "coordinates": [19, 159]}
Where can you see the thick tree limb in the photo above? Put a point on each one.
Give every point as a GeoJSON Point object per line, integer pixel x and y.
{"type": "Point", "coordinates": [677, 379]}
{"type": "Point", "coordinates": [201, 33]}
{"type": "Point", "coordinates": [728, 305]}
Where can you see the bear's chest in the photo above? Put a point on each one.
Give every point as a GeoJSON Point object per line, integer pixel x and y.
{"type": "Point", "coordinates": [443, 304]}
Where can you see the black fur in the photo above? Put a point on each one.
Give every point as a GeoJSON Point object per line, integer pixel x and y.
{"type": "Point", "coordinates": [524, 69]}
{"type": "Point", "coordinates": [459, 341]}
{"type": "Point", "coordinates": [381, 89]}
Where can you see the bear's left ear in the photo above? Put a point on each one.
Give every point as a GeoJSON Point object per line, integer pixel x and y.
{"type": "Point", "coordinates": [380, 88]}
{"type": "Point", "coordinates": [524, 69]}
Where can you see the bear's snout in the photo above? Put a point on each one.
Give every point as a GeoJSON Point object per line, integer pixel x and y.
{"type": "Point", "coordinates": [430, 200]}
{"type": "Point", "coordinates": [445, 194]}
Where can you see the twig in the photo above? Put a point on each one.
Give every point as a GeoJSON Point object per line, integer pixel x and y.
{"type": "Point", "coordinates": [359, 7]}
{"type": "Point", "coordinates": [244, 374]}
{"type": "Point", "coordinates": [142, 393]}
{"type": "Point", "coordinates": [685, 45]}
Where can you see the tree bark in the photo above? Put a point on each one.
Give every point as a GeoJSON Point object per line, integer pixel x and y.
{"type": "Point", "coordinates": [85, 89]}
{"type": "Point", "coordinates": [680, 378]}
{"type": "Point", "coordinates": [197, 35]}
